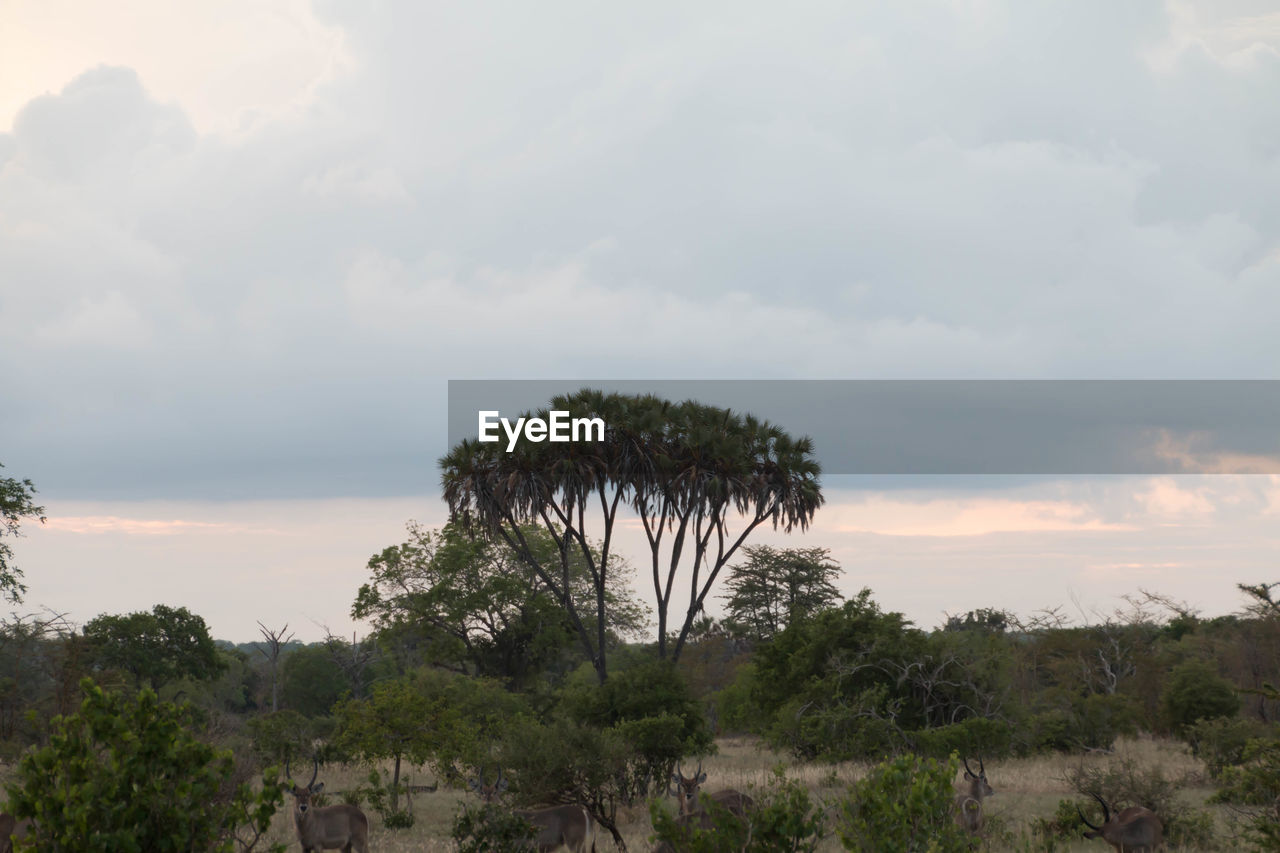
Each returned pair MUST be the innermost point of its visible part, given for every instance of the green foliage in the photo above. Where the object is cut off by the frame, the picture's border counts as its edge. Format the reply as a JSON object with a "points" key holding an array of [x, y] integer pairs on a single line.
{"points": [[403, 719], [786, 818], [286, 736], [726, 834], [126, 775], [166, 644], [311, 681], [16, 503], [464, 599], [492, 828], [1196, 692], [384, 800], [1222, 742], [974, 736], [772, 586], [903, 805]]}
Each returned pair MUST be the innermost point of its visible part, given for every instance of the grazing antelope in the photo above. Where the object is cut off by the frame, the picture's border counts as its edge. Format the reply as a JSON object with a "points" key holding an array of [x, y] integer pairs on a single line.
{"points": [[567, 825], [11, 828], [342, 827], [686, 793], [973, 790], [1134, 830]]}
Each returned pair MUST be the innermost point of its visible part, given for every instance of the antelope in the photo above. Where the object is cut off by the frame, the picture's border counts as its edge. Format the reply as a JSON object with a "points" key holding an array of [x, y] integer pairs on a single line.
{"points": [[693, 814], [973, 791], [1134, 830], [567, 825], [11, 828], [342, 827], [686, 793]]}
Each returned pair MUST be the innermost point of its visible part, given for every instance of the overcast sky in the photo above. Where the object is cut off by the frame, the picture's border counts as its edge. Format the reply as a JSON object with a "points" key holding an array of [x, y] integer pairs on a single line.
{"points": [[244, 244]]}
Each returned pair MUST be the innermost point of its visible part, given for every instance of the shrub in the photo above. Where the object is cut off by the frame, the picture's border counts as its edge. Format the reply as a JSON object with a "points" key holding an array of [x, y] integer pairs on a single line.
{"points": [[1221, 743], [974, 736], [1197, 692], [904, 805], [126, 775], [492, 828]]}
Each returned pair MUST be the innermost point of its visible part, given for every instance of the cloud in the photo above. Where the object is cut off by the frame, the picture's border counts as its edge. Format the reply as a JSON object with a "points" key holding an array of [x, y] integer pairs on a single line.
{"points": [[280, 285]]}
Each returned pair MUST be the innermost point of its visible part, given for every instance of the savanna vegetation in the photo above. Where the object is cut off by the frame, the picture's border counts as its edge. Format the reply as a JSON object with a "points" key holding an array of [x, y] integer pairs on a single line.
{"points": [[508, 668]]}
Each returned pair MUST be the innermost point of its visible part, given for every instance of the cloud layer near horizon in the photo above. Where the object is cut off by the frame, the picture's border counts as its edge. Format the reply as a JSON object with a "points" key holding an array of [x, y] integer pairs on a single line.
{"points": [[244, 289]]}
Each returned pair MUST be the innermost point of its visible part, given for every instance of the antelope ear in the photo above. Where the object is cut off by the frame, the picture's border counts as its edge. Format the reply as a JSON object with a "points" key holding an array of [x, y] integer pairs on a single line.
{"points": [[675, 778], [702, 777], [502, 785], [317, 788], [969, 775]]}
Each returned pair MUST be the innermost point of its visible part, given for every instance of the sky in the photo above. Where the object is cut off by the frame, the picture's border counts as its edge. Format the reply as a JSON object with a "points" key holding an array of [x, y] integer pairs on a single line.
{"points": [[244, 245]]}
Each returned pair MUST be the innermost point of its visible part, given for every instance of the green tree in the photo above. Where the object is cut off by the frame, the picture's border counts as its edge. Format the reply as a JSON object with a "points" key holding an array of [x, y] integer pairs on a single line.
{"points": [[311, 682], [16, 503], [471, 603], [701, 479], [1197, 692], [163, 645], [772, 585], [127, 775], [399, 720]]}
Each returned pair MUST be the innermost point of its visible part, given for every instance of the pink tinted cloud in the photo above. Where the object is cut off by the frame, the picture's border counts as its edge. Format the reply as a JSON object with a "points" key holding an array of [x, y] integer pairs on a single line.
{"points": [[968, 517], [101, 524]]}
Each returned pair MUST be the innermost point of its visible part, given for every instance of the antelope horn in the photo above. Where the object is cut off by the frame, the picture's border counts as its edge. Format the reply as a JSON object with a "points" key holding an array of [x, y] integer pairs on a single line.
{"points": [[287, 774], [967, 769], [1086, 820], [981, 768], [1106, 812], [698, 772], [316, 772]]}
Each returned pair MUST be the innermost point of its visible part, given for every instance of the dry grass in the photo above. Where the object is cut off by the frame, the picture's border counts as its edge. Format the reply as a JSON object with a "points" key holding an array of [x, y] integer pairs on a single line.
{"points": [[1026, 789]]}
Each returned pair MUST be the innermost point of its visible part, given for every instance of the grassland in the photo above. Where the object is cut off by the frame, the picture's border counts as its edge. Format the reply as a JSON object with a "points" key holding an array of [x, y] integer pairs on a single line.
{"points": [[1026, 789]]}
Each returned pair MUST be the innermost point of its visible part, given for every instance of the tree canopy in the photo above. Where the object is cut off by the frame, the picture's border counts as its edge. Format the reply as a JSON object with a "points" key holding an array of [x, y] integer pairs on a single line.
{"points": [[471, 603], [163, 645], [700, 478], [17, 502], [774, 584]]}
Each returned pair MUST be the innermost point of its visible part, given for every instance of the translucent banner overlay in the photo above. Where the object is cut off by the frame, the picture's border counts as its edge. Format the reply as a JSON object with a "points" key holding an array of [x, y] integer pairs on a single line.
{"points": [[945, 427]]}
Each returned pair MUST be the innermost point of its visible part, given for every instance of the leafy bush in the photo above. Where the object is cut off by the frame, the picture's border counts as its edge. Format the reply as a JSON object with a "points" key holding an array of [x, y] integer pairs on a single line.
{"points": [[492, 828], [287, 736], [126, 775], [904, 805], [974, 736], [1196, 692], [1221, 743]]}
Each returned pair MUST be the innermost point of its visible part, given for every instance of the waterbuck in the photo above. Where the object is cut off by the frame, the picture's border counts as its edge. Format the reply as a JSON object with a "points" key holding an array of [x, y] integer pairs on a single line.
{"points": [[686, 793], [568, 825], [1134, 830], [342, 827], [973, 790]]}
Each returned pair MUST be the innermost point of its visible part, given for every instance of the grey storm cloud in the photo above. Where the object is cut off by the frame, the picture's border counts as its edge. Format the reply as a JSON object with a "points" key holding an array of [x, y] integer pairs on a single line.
{"points": [[905, 191]]}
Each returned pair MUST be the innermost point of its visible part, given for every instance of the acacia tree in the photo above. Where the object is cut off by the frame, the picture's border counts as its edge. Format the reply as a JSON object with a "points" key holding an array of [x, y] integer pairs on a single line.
{"points": [[700, 478], [774, 584], [16, 503]]}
